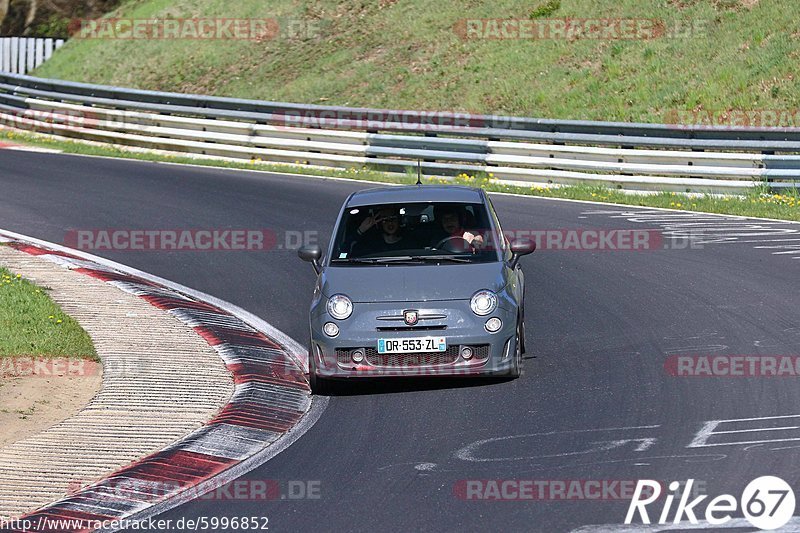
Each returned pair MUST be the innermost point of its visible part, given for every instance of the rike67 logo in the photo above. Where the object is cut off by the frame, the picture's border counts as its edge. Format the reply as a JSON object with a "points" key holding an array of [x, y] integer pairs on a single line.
{"points": [[767, 502]]}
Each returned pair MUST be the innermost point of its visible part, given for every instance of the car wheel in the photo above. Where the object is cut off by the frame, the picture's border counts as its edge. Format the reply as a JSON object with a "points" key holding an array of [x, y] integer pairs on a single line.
{"points": [[516, 369]]}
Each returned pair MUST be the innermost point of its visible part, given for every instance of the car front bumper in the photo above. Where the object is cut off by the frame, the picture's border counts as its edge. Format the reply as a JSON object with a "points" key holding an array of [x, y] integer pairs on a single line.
{"points": [[493, 353]]}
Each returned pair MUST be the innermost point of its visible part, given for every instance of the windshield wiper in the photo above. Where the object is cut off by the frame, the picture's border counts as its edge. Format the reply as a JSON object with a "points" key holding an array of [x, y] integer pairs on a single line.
{"points": [[403, 259], [453, 258], [375, 260]]}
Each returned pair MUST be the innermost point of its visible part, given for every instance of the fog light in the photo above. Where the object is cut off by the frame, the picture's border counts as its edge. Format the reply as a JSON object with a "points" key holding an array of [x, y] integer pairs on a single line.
{"points": [[466, 353], [493, 325], [330, 329], [358, 356]]}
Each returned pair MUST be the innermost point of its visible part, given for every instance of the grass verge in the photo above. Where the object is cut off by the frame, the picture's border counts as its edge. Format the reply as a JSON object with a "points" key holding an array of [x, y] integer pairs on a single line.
{"points": [[759, 203], [32, 325]]}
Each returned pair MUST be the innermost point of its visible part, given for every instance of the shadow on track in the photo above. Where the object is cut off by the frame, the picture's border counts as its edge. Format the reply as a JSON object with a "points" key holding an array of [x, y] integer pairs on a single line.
{"points": [[399, 385]]}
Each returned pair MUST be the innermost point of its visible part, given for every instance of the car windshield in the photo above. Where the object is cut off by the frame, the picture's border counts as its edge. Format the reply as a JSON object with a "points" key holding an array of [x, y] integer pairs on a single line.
{"points": [[416, 233]]}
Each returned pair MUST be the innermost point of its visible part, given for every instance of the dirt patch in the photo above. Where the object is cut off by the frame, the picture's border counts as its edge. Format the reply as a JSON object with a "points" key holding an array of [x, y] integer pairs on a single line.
{"points": [[735, 5], [29, 405]]}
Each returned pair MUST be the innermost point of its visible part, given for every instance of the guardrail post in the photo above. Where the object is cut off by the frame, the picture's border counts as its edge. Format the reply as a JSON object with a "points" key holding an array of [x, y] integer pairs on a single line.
{"points": [[21, 55], [14, 55], [5, 55], [31, 59]]}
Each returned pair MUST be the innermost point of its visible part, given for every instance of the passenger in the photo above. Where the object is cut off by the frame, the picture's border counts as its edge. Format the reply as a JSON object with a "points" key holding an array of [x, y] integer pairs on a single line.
{"points": [[451, 223], [388, 238]]}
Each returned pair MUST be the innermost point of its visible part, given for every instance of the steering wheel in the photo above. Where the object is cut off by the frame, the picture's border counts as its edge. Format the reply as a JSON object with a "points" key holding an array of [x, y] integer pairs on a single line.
{"points": [[454, 243]]}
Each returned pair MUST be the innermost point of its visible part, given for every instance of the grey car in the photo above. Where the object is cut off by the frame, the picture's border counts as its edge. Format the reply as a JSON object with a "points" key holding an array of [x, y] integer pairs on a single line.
{"points": [[417, 281]]}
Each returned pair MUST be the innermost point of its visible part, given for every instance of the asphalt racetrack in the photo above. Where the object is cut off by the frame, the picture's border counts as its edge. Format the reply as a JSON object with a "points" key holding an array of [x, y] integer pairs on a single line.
{"points": [[597, 400]]}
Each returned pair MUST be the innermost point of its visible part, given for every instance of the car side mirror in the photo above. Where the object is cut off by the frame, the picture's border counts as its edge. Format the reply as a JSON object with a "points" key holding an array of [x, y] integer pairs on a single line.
{"points": [[311, 253], [519, 248]]}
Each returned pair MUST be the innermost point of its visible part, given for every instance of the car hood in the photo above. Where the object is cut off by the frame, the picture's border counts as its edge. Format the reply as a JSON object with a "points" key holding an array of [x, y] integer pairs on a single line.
{"points": [[413, 283]]}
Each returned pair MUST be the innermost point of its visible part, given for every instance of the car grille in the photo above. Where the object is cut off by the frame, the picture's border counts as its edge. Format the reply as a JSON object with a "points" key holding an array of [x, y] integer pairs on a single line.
{"points": [[343, 356], [405, 360], [480, 351], [411, 360], [411, 328]]}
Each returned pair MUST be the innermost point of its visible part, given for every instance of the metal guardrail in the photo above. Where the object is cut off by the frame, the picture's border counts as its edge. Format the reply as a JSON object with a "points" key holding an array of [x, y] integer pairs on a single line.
{"points": [[517, 150]]}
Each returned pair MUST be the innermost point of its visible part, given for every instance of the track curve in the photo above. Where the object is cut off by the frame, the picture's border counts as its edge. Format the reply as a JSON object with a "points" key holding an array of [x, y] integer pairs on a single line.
{"points": [[595, 402]]}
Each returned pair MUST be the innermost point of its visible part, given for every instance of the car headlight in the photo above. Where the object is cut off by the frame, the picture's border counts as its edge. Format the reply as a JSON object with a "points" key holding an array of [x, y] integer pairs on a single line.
{"points": [[340, 306], [483, 303]]}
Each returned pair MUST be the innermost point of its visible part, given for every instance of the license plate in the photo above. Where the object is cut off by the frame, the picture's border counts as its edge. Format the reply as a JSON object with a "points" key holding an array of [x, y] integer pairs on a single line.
{"points": [[412, 345]]}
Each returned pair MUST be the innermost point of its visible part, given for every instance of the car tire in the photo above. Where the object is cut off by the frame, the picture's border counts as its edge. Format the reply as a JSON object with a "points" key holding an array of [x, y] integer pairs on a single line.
{"points": [[516, 369]]}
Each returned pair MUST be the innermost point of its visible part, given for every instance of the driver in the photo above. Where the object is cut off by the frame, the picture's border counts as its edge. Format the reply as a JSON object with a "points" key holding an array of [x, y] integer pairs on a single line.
{"points": [[389, 236], [451, 221]]}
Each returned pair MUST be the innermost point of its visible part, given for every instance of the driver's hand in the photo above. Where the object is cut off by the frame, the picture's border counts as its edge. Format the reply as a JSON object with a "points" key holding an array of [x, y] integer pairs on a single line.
{"points": [[367, 224], [475, 240]]}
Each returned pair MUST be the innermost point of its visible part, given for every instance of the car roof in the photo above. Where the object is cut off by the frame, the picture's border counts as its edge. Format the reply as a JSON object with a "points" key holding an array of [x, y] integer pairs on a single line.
{"points": [[416, 193]]}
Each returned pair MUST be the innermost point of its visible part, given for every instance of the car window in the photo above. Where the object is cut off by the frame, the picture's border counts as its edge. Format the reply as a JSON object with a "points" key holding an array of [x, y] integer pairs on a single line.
{"points": [[416, 232]]}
